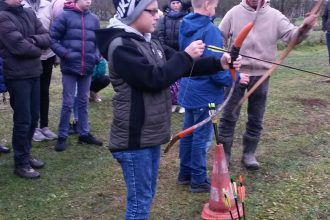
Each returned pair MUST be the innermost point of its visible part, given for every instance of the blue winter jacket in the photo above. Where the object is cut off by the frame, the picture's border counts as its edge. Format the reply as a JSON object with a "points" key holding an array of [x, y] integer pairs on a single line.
{"points": [[73, 40], [3, 87], [197, 92]]}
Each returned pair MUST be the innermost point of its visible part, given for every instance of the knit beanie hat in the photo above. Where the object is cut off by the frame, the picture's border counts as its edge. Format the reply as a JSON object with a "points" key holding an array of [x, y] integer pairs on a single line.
{"points": [[127, 11], [176, 1]]}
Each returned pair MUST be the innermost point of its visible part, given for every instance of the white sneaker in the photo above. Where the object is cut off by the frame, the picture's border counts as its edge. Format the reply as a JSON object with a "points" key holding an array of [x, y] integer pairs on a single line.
{"points": [[174, 108], [181, 110], [94, 97], [48, 133], [38, 135]]}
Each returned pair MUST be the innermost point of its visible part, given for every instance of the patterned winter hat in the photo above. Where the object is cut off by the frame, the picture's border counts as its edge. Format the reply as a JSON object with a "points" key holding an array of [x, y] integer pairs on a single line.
{"points": [[127, 11], [176, 0]]}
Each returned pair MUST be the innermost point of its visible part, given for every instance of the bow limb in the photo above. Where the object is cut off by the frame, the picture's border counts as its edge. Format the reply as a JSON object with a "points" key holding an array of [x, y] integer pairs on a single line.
{"points": [[315, 12]]}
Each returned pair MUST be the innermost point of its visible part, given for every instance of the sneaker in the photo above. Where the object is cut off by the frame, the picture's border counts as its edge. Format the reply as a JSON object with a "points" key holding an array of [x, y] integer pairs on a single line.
{"points": [[48, 133], [181, 110], [38, 135], [200, 188], [60, 144], [73, 129], [97, 98], [4, 149], [174, 108], [36, 164], [183, 180], [94, 97], [89, 139], [27, 172]]}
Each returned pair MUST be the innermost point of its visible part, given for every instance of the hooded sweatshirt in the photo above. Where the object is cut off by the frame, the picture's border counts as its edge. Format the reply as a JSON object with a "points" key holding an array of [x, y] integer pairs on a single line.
{"points": [[198, 92], [271, 25], [141, 71]]}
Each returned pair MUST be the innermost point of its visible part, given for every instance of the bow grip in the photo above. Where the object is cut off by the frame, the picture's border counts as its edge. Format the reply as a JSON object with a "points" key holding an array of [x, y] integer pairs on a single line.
{"points": [[234, 55]]}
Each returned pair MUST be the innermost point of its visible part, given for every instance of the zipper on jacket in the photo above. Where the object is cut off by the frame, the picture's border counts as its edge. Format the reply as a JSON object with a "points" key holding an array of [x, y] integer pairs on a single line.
{"points": [[83, 44]]}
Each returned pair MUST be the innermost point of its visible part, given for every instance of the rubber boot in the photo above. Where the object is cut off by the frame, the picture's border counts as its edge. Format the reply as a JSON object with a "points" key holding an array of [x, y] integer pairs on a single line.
{"points": [[227, 144], [249, 148]]}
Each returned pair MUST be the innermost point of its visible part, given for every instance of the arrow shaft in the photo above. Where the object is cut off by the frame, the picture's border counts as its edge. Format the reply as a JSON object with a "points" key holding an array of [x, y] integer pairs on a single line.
{"points": [[270, 62]]}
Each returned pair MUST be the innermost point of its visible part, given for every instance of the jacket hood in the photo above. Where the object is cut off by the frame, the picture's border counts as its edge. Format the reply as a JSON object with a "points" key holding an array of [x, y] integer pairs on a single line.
{"points": [[193, 24], [14, 9], [116, 29]]}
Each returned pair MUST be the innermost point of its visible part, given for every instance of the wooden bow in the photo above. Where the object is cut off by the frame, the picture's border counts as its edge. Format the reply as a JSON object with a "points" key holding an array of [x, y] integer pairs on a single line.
{"points": [[314, 12]]}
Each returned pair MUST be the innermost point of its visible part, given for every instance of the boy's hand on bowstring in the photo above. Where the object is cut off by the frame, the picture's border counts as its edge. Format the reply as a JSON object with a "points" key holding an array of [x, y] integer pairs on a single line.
{"points": [[226, 59], [195, 49]]}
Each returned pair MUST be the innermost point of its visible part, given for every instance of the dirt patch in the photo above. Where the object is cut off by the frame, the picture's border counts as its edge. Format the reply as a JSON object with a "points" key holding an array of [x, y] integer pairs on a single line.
{"points": [[312, 102]]}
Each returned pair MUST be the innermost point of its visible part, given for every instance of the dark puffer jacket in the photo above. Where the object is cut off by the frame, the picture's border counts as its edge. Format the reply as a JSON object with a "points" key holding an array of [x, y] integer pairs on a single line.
{"points": [[140, 73], [22, 37], [73, 40], [168, 28]]}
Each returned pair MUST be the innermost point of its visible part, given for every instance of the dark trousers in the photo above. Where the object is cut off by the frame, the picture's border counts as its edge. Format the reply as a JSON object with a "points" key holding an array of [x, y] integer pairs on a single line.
{"points": [[45, 78], [25, 102], [99, 83], [256, 109]]}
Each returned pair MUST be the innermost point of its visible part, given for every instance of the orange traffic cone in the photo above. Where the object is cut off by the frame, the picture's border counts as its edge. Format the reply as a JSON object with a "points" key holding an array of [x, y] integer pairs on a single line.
{"points": [[216, 209]]}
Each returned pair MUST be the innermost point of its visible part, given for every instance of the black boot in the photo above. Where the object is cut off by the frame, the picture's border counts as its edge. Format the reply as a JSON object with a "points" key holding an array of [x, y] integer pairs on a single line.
{"points": [[227, 144], [4, 150], [60, 144], [249, 148], [89, 139]]}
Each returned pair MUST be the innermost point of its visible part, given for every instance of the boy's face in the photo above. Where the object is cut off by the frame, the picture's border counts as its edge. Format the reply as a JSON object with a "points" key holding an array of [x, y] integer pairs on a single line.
{"points": [[146, 22], [176, 6], [210, 7], [84, 4]]}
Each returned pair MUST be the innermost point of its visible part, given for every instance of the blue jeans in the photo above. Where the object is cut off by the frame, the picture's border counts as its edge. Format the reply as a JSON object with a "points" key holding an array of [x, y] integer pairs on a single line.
{"points": [[193, 148], [25, 102], [327, 35], [255, 110], [70, 81], [140, 170]]}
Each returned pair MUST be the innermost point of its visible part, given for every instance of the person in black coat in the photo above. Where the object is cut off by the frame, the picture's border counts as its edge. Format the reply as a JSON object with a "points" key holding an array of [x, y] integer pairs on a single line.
{"points": [[22, 38], [168, 34]]}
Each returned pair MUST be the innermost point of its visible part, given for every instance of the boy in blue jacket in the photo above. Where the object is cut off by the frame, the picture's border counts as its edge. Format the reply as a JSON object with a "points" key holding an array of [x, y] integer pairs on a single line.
{"points": [[73, 40], [197, 92]]}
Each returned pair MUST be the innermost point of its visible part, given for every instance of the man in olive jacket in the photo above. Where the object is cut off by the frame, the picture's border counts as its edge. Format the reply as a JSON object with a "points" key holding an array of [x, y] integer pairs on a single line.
{"points": [[22, 37]]}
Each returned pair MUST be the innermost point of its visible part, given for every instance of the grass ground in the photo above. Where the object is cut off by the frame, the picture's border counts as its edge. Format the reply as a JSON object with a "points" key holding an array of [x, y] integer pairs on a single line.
{"points": [[85, 182]]}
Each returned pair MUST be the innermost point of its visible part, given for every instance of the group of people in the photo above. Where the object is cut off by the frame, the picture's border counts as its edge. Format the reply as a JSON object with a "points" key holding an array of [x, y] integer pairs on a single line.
{"points": [[142, 68], [32, 34]]}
